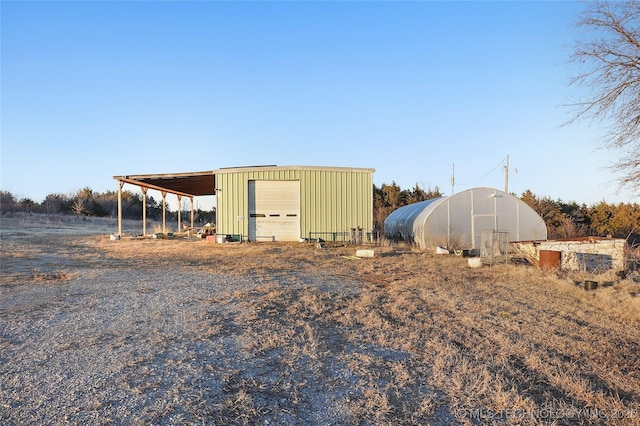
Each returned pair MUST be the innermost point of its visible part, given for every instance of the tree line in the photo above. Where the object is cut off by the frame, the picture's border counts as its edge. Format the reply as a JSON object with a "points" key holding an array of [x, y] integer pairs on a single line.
{"points": [[388, 197], [563, 220], [567, 220], [86, 202]]}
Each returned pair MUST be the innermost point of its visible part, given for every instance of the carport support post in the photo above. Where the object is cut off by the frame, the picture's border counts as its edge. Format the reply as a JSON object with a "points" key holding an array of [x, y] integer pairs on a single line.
{"points": [[192, 212], [179, 212], [144, 211], [164, 211], [120, 185]]}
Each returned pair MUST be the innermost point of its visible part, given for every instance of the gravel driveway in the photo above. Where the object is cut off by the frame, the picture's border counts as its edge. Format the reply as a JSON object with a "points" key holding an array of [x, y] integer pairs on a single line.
{"points": [[85, 340]]}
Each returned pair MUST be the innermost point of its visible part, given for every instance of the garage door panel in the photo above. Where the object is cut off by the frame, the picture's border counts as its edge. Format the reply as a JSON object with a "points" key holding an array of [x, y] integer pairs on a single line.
{"points": [[274, 210], [277, 229]]}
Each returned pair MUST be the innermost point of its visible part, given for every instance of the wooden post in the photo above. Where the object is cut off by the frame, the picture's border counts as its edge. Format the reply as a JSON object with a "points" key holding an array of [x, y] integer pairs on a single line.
{"points": [[120, 185], [164, 212], [192, 212], [179, 212], [144, 211]]}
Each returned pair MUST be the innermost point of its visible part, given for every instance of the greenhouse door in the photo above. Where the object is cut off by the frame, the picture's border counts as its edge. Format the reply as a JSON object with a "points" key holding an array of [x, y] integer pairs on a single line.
{"points": [[481, 223], [483, 216], [274, 210]]}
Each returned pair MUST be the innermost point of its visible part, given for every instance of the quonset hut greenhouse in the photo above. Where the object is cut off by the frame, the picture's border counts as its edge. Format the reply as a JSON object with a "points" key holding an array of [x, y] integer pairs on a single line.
{"points": [[458, 221]]}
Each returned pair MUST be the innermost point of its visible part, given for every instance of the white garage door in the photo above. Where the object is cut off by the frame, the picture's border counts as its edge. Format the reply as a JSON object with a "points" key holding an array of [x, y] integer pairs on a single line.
{"points": [[274, 210]]}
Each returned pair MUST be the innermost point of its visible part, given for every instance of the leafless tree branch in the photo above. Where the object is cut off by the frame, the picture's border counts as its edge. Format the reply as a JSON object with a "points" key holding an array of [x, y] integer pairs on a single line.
{"points": [[611, 62]]}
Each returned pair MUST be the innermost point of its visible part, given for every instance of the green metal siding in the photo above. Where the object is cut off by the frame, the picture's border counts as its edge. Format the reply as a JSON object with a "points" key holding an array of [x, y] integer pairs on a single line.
{"points": [[331, 199]]}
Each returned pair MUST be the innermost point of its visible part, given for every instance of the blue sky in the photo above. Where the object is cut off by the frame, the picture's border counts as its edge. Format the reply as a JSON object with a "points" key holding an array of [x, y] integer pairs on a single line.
{"points": [[96, 89]]}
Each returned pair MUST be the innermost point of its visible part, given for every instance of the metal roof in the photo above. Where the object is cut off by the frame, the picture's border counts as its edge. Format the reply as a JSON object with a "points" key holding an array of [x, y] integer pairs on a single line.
{"points": [[189, 184], [204, 183], [274, 167]]}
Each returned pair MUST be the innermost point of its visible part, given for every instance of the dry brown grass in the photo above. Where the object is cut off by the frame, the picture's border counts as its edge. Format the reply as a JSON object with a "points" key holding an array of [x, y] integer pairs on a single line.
{"points": [[497, 344], [405, 337]]}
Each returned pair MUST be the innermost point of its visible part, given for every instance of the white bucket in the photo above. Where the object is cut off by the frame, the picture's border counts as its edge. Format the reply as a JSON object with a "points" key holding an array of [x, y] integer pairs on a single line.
{"points": [[474, 262]]}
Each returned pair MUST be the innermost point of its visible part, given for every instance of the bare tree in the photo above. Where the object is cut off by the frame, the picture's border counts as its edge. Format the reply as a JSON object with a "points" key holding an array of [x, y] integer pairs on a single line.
{"points": [[54, 203], [611, 71], [78, 206], [185, 207]]}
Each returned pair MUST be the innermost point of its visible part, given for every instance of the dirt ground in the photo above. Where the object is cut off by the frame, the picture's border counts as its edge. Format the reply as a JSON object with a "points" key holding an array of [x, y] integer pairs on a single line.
{"points": [[182, 331]]}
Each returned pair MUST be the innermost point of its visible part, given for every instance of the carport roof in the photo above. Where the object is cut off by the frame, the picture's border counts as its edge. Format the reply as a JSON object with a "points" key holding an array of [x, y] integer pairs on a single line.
{"points": [[188, 184], [204, 183]]}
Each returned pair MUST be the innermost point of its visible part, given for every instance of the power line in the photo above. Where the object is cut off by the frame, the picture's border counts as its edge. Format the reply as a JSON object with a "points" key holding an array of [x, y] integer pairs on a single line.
{"points": [[484, 176]]}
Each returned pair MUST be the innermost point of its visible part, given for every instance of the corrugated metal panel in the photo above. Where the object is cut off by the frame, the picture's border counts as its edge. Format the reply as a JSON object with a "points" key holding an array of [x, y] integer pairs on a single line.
{"points": [[332, 200], [337, 200]]}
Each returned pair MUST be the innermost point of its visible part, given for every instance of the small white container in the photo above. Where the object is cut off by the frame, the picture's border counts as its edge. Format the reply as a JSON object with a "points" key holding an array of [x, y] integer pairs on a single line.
{"points": [[474, 262], [364, 253]]}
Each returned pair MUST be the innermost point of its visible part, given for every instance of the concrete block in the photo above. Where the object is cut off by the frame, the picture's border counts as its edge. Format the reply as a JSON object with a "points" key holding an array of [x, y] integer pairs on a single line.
{"points": [[364, 253]]}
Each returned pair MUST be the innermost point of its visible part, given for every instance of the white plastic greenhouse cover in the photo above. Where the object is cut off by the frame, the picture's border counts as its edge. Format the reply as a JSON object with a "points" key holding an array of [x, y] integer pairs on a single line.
{"points": [[457, 221]]}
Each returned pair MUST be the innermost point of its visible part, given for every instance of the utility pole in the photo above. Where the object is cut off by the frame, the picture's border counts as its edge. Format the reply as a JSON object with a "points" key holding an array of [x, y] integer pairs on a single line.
{"points": [[453, 176], [506, 176]]}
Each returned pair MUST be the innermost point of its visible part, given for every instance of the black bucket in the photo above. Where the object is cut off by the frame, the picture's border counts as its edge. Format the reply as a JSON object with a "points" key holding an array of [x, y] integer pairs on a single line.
{"points": [[590, 285]]}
